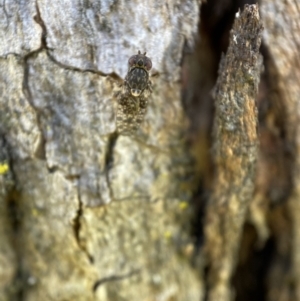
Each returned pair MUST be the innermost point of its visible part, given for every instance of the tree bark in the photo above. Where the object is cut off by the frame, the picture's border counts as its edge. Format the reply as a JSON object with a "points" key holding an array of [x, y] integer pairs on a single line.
{"points": [[201, 203], [92, 215], [235, 150], [282, 38]]}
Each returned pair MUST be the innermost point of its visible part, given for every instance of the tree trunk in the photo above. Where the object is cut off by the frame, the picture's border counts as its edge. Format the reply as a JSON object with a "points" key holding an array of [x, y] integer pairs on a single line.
{"points": [[200, 203], [92, 215]]}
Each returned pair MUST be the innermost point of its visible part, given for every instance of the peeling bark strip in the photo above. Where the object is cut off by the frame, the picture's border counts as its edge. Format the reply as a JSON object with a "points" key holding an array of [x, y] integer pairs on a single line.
{"points": [[235, 149]]}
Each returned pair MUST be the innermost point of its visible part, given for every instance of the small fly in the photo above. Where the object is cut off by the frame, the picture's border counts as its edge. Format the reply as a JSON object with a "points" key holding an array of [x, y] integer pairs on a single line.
{"points": [[134, 94]]}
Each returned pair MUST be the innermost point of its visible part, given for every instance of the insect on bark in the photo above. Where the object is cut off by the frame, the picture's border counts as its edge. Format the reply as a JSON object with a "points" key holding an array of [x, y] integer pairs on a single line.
{"points": [[133, 97]]}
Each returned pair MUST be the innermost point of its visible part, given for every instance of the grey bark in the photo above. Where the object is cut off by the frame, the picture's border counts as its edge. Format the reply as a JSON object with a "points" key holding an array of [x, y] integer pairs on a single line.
{"points": [[86, 214], [92, 216]]}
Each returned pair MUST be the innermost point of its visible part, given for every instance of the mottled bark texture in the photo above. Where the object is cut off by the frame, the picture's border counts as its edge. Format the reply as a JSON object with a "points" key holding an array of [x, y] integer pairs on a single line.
{"points": [[282, 40], [235, 150], [89, 214], [92, 215]]}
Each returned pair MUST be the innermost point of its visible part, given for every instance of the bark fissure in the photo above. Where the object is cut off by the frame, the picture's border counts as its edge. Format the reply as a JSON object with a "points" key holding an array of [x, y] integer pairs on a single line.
{"points": [[77, 227], [77, 69], [114, 278], [38, 19], [109, 157], [40, 150]]}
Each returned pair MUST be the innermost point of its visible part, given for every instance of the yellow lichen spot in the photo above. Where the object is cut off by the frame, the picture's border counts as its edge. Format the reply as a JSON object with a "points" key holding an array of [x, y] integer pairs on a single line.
{"points": [[183, 205], [35, 212], [3, 168], [167, 234]]}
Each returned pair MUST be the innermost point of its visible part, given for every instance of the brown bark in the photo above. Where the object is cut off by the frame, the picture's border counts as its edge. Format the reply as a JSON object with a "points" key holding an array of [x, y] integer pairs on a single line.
{"points": [[282, 40], [234, 150], [201, 204]]}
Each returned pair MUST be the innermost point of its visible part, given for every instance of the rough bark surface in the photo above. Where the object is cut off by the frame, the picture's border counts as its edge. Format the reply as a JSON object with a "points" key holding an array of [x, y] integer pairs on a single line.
{"points": [[202, 203], [235, 150], [282, 39], [57, 123]]}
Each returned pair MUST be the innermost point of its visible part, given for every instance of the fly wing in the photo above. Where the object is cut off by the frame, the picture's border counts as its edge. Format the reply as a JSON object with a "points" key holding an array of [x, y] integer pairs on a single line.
{"points": [[142, 107], [131, 110], [126, 112]]}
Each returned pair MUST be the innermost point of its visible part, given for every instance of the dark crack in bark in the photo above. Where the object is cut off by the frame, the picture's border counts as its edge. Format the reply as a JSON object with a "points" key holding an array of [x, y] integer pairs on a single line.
{"points": [[40, 151], [77, 228], [114, 278], [38, 19], [112, 139]]}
